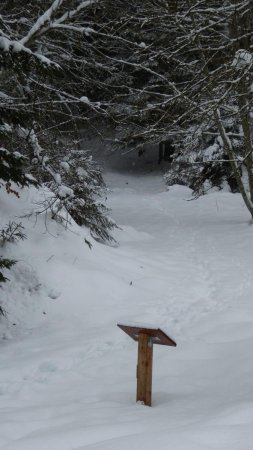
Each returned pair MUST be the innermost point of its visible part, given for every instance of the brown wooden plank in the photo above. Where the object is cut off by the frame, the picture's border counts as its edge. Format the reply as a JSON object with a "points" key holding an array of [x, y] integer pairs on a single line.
{"points": [[158, 336], [149, 367], [144, 371]]}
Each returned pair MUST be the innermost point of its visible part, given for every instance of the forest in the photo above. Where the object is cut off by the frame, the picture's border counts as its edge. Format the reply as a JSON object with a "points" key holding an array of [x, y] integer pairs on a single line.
{"points": [[126, 196], [159, 71]]}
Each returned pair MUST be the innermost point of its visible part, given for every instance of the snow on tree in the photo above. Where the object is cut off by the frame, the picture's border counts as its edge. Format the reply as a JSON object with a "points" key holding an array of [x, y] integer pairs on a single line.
{"points": [[42, 101], [185, 70]]}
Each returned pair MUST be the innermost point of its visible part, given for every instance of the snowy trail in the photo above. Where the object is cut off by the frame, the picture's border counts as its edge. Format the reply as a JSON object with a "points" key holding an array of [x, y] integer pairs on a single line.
{"points": [[67, 379], [193, 244]]}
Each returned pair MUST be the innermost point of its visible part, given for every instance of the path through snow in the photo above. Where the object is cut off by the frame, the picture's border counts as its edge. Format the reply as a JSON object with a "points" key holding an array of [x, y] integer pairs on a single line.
{"points": [[67, 379]]}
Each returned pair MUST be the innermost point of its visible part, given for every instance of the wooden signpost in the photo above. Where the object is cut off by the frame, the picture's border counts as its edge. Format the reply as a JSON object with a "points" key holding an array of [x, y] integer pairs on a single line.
{"points": [[146, 337]]}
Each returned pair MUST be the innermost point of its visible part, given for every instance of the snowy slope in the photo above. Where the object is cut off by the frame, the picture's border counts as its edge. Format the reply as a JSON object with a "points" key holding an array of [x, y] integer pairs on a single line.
{"points": [[67, 379]]}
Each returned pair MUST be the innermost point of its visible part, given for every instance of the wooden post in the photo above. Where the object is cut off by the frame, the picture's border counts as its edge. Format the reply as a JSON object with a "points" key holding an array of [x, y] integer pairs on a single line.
{"points": [[146, 337], [144, 369]]}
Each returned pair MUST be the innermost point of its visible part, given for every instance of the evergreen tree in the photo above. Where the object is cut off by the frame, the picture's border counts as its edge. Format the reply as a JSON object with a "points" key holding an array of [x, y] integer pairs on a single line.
{"points": [[44, 100]]}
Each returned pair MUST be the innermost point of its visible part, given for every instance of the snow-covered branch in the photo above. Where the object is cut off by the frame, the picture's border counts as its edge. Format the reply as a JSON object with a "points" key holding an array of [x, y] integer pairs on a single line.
{"points": [[62, 191], [42, 22], [48, 20], [9, 46], [72, 13]]}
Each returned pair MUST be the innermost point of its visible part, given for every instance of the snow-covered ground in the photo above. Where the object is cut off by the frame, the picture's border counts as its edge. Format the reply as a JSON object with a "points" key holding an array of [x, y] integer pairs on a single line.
{"points": [[67, 378]]}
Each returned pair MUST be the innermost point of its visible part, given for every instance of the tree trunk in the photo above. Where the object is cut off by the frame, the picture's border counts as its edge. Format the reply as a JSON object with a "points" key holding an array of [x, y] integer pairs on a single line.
{"points": [[229, 151]]}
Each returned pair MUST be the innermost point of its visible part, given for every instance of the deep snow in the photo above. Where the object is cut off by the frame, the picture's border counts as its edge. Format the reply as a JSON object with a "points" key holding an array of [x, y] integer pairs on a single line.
{"points": [[67, 379]]}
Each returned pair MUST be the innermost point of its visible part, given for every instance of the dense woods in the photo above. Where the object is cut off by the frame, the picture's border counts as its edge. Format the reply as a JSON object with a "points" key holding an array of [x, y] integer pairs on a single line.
{"points": [[153, 71]]}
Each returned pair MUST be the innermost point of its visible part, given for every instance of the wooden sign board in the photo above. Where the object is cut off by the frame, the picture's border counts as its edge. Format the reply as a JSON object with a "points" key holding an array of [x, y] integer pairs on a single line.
{"points": [[146, 337], [156, 334]]}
